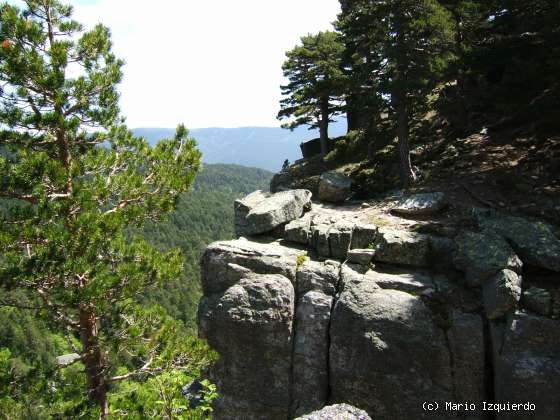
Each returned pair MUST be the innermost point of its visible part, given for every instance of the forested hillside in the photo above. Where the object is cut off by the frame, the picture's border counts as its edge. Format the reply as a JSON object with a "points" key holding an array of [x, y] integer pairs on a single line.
{"points": [[203, 215]]}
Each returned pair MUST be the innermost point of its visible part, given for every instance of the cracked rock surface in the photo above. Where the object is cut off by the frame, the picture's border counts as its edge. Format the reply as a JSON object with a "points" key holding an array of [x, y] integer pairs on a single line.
{"points": [[352, 307]]}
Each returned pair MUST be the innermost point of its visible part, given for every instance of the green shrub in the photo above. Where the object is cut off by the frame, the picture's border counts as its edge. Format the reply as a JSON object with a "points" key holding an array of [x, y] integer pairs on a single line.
{"points": [[349, 148]]}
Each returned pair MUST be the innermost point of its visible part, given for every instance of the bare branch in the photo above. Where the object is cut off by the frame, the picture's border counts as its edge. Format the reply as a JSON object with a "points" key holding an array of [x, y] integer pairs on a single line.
{"points": [[125, 203], [142, 371]]}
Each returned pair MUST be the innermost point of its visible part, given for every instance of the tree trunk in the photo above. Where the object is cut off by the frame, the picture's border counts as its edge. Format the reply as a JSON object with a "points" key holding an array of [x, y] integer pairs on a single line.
{"points": [[94, 361], [324, 127], [461, 116], [352, 118], [407, 174], [402, 107]]}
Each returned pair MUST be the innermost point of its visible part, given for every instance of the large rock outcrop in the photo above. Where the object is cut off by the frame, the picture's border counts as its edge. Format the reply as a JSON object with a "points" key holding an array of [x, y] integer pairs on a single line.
{"points": [[533, 241], [527, 366], [483, 255], [373, 331], [344, 311], [262, 212], [247, 315]]}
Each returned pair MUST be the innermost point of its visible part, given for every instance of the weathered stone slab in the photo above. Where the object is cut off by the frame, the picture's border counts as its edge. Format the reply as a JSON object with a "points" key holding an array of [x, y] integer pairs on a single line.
{"points": [[527, 368], [410, 282], [298, 231], [353, 274], [334, 187], [337, 412], [533, 241], [243, 206], [310, 383], [363, 236], [421, 204], [466, 343], [400, 247], [318, 276], [224, 263], [360, 256], [339, 239], [320, 239], [262, 212]]}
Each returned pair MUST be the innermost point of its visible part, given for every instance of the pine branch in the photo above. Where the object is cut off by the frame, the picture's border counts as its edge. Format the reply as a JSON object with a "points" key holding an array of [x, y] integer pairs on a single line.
{"points": [[23, 197], [144, 370]]}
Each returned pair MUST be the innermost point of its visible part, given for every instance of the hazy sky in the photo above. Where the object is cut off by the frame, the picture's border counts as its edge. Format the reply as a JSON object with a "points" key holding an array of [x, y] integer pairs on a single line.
{"points": [[207, 63]]}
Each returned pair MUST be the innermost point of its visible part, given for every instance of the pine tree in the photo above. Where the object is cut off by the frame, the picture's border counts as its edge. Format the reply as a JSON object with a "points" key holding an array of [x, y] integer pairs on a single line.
{"points": [[406, 47], [316, 83], [78, 184], [363, 62]]}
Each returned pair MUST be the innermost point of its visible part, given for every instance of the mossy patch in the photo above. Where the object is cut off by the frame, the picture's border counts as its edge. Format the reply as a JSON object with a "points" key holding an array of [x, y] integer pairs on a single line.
{"points": [[300, 260]]}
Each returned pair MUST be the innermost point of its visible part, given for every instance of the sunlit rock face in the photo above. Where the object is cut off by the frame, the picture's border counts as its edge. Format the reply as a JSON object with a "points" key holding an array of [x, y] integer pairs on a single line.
{"points": [[344, 305], [373, 331], [262, 212]]}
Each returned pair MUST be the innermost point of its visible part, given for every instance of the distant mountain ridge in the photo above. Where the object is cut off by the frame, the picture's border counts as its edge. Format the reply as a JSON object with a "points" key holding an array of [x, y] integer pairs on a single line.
{"points": [[259, 147]]}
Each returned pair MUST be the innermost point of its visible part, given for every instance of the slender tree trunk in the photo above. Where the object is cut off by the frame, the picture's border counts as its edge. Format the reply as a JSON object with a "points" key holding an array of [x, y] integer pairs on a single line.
{"points": [[461, 105], [407, 174], [401, 108], [324, 127], [351, 113], [94, 361]]}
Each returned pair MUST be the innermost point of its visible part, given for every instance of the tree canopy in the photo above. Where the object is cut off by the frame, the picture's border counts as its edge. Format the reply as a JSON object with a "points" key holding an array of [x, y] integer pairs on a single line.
{"points": [[400, 49], [466, 63], [77, 183], [316, 82]]}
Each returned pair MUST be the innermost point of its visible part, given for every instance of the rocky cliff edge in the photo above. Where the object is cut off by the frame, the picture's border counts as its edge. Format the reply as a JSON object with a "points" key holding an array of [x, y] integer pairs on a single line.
{"points": [[396, 306]]}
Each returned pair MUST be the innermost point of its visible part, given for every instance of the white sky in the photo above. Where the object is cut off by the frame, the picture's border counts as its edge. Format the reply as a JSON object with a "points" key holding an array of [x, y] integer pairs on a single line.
{"points": [[207, 63]]}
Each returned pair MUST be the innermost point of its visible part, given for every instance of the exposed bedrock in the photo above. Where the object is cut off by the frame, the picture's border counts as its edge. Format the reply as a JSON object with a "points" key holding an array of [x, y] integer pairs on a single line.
{"points": [[250, 325], [384, 318], [527, 364], [421, 204], [387, 356], [247, 316]]}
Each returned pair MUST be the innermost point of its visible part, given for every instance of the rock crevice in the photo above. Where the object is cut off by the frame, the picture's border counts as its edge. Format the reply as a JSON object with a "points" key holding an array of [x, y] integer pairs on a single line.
{"points": [[361, 316]]}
